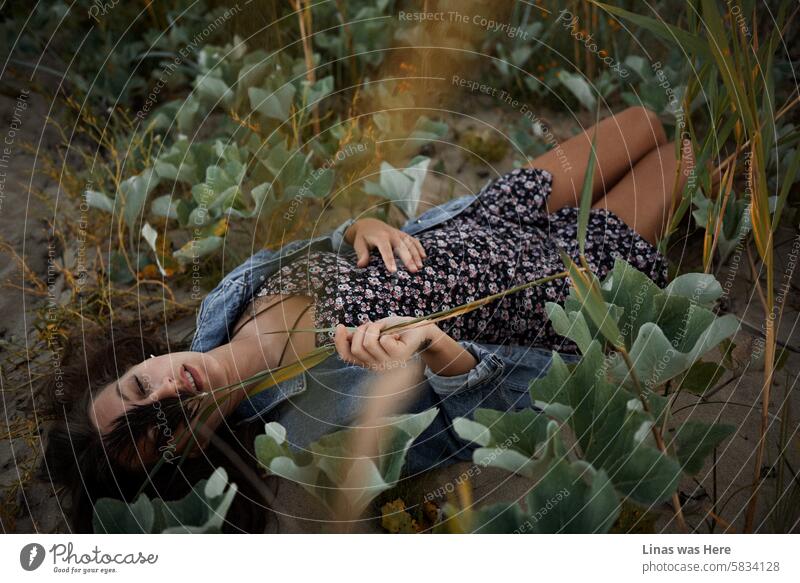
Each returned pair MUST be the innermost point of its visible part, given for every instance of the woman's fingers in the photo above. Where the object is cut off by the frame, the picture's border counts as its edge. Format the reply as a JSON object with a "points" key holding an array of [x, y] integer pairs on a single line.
{"points": [[372, 344], [371, 347], [357, 345], [390, 241], [408, 254], [362, 251], [391, 344], [342, 340], [416, 249], [385, 248], [420, 248]]}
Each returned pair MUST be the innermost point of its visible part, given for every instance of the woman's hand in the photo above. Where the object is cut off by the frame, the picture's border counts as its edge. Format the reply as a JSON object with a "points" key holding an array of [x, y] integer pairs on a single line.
{"points": [[365, 346], [366, 234]]}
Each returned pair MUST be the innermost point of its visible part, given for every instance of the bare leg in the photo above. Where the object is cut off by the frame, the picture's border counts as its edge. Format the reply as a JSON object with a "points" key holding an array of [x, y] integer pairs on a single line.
{"points": [[622, 140], [643, 198]]}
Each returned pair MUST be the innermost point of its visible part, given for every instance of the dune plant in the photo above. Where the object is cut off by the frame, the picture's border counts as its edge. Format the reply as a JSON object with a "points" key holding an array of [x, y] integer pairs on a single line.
{"points": [[632, 339], [328, 469], [269, 153], [201, 511], [608, 400], [734, 75]]}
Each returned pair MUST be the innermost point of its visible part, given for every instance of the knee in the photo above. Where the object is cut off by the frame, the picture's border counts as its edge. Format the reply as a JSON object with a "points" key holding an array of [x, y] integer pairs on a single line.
{"points": [[647, 121]]}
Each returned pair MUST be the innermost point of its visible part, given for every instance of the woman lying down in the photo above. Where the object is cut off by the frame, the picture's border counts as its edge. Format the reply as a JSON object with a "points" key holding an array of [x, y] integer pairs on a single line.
{"points": [[364, 277]]}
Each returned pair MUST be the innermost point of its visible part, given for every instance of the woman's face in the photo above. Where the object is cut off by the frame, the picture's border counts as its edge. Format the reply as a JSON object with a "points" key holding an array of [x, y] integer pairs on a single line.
{"points": [[156, 378]]}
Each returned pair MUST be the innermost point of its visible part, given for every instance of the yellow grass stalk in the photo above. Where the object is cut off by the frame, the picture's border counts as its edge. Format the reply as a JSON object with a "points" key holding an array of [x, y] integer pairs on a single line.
{"points": [[764, 242], [304, 20], [726, 187]]}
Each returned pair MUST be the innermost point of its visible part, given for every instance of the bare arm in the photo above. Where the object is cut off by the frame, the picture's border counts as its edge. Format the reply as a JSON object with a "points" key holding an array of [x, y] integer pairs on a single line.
{"points": [[446, 357]]}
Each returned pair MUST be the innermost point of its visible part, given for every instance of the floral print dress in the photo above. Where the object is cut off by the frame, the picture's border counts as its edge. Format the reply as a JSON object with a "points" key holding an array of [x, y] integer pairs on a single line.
{"points": [[503, 239]]}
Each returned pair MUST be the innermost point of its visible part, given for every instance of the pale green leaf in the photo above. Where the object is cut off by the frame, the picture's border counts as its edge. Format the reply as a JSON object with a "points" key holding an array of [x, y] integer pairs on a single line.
{"points": [[579, 87], [272, 104], [134, 191], [695, 440], [197, 248], [150, 235], [99, 200]]}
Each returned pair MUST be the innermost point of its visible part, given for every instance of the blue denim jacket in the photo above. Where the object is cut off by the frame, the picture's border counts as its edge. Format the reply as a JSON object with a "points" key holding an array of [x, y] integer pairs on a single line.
{"points": [[500, 379]]}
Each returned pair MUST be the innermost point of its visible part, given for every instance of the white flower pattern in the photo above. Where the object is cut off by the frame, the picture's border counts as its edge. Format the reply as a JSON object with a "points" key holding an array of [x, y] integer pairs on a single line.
{"points": [[504, 239]]}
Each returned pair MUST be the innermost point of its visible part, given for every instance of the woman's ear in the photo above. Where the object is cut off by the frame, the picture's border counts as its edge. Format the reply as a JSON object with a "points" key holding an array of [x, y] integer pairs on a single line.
{"points": [[152, 434]]}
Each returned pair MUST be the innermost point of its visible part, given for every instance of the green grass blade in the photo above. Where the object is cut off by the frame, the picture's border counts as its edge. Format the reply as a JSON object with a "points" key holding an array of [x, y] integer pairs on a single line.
{"points": [[721, 52], [673, 34], [586, 192], [788, 180]]}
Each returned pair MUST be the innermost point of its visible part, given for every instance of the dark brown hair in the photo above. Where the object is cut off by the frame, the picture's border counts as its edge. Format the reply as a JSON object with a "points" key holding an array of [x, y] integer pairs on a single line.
{"points": [[90, 466]]}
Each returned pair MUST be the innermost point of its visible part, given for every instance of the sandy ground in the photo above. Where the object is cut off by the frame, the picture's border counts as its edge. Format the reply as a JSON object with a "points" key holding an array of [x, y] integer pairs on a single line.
{"points": [[28, 506]]}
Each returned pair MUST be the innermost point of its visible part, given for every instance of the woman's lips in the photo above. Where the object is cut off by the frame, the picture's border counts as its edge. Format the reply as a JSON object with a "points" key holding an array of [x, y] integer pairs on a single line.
{"points": [[198, 380], [187, 380]]}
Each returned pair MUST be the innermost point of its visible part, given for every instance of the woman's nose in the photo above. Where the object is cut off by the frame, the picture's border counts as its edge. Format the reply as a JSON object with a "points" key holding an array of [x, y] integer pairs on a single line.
{"points": [[167, 388]]}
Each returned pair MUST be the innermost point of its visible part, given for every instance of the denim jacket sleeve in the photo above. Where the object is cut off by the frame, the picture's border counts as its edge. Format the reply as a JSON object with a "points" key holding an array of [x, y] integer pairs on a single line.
{"points": [[500, 379], [509, 367], [489, 366]]}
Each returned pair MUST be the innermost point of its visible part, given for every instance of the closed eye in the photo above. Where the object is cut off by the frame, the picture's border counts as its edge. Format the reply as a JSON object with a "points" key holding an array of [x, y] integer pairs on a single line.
{"points": [[140, 386]]}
